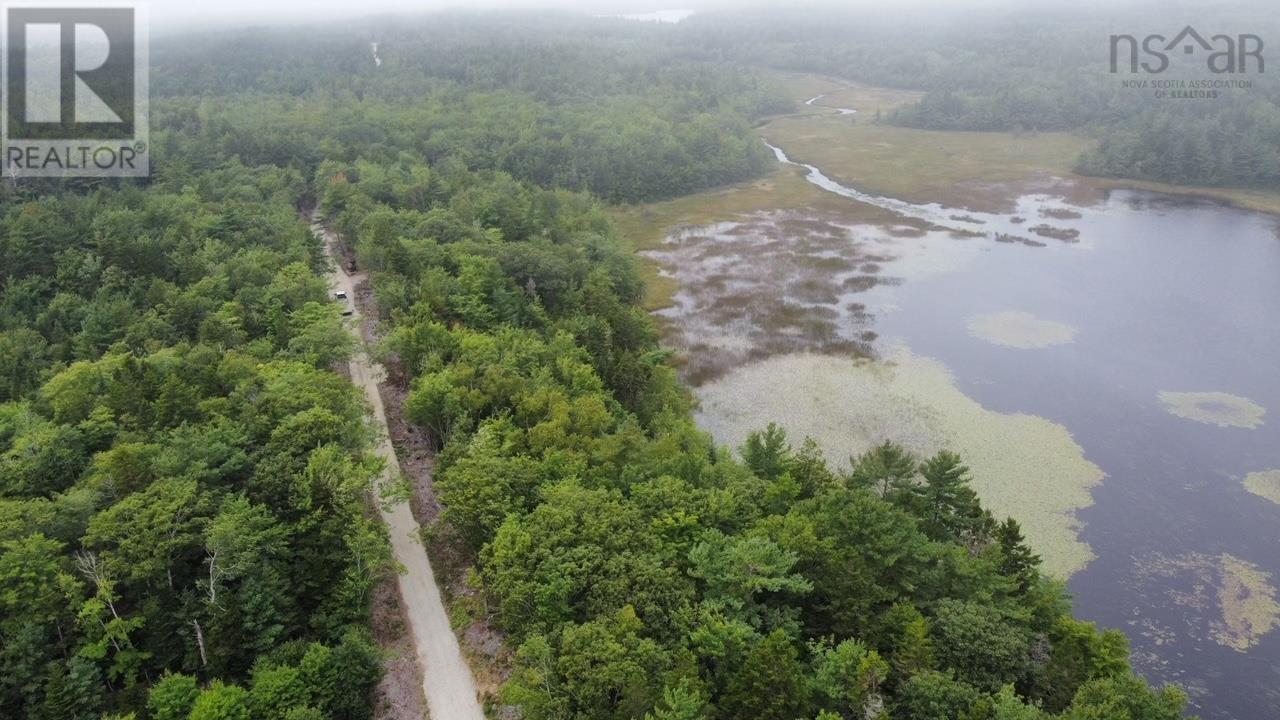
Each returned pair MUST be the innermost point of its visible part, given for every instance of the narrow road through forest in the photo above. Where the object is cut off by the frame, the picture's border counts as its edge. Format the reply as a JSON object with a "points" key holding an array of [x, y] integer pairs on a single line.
{"points": [[446, 678]]}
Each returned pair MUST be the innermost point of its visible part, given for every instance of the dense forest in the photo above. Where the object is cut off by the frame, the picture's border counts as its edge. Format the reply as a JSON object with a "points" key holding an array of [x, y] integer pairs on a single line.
{"points": [[185, 528], [1037, 68], [185, 483], [183, 480], [554, 99]]}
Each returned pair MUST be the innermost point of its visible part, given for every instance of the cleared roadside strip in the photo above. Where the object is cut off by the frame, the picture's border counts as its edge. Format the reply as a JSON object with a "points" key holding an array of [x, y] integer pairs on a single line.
{"points": [[446, 678]]}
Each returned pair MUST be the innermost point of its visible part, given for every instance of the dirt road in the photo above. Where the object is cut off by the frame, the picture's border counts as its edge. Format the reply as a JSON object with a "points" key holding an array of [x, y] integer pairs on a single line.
{"points": [[447, 681]]}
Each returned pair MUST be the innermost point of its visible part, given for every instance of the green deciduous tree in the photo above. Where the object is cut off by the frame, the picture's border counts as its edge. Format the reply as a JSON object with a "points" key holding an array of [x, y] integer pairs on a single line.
{"points": [[172, 697], [1125, 697], [932, 695], [143, 537], [221, 702], [986, 645], [848, 677]]}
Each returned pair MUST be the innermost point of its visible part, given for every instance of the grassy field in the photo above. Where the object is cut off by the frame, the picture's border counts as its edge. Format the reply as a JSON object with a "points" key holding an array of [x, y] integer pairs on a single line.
{"points": [[959, 169], [977, 170], [972, 169], [838, 93]]}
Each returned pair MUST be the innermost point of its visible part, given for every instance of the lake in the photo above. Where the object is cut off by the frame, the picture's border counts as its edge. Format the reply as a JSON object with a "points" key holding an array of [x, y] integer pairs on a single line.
{"points": [[1109, 370]]}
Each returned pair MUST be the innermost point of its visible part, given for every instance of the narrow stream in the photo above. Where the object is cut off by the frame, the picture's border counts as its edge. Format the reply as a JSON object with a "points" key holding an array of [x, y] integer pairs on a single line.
{"points": [[839, 110], [1005, 227]]}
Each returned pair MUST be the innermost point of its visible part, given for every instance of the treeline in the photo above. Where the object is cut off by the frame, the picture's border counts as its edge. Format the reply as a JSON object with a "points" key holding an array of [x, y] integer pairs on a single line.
{"points": [[184, 526], [554, 99], [638, 570], [1237, 145], [1036, 69], [1028, 69]]}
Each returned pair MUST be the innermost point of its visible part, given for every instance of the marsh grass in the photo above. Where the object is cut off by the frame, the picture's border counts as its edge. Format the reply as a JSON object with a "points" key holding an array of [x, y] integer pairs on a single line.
{"points": [[837, 93], [975, 170], [1069, 235], [647, 227], [1010, 239], [770, 283], [1060, 213]]}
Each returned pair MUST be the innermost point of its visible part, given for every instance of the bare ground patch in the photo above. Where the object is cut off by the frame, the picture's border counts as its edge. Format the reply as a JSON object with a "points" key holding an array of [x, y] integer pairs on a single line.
{"points": [[399, 692]]}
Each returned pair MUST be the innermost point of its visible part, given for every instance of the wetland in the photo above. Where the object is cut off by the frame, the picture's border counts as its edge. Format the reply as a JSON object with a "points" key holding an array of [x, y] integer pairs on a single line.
{"points": [[1111, 384]]}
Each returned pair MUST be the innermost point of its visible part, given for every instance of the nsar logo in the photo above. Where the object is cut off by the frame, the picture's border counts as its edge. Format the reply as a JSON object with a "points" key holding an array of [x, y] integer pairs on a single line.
{"points": [[1224, 53]]}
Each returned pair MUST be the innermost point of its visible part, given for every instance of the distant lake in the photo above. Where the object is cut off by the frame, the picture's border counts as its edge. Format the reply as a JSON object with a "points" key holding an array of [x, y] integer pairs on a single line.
{"points": [[663, 16]]}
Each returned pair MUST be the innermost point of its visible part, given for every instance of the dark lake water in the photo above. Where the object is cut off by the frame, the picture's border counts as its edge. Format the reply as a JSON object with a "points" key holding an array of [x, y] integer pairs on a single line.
{"points": [[1165, 295]]}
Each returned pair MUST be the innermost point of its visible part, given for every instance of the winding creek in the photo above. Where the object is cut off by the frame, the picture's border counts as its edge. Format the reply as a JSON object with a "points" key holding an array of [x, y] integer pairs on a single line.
{"points": [[1109, 371], [812, 102]]}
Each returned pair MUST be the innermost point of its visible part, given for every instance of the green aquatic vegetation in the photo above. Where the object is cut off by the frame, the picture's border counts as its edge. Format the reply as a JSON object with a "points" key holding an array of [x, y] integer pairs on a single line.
{"points": [[1214, 408], [1023, 466], [1022, 330], [1264, 484], [1229, 600], [1249, 607]]}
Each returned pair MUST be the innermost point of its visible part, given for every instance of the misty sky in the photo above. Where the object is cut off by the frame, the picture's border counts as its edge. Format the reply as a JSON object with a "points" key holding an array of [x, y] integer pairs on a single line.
{"points": [[185, 14], [170, 15]]}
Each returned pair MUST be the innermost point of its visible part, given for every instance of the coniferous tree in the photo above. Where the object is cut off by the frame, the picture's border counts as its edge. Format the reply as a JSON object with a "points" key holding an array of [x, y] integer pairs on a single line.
{"points": [[1017, 561]]}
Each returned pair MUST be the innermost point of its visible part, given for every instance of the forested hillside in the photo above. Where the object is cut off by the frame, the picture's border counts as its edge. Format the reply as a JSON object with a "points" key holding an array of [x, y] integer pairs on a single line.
{"points": [[185, 482], [554, 99]]}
